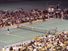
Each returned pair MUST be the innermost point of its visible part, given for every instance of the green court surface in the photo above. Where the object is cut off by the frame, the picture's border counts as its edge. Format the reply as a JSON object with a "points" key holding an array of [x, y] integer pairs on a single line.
{"points": [[16, 36], [19, 35], [61, 25]]}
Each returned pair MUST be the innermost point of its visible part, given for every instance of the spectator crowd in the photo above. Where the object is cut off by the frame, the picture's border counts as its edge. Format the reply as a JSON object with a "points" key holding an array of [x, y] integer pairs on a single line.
{"points": [[11, 17]]}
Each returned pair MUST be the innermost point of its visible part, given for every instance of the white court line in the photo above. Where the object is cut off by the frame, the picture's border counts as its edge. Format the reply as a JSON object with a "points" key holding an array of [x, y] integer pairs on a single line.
{"points": [[14, 35], [4, 42], [10, 34]]}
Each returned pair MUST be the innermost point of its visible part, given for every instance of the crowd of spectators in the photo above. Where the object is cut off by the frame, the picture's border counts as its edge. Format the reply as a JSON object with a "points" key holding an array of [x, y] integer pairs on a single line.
{"points": [[46, 42], [11, 17]]}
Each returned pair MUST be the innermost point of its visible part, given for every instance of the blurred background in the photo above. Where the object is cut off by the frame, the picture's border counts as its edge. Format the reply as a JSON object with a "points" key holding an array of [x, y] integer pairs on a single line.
{"points": [[31, 4]]}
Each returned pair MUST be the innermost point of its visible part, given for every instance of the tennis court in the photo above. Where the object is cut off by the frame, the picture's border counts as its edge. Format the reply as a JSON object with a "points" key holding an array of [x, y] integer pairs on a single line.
{"points": [[19, 35]]}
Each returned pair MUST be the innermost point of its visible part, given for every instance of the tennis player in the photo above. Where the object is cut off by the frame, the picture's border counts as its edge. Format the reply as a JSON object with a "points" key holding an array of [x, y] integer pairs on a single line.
{"points": [[8, 32]]}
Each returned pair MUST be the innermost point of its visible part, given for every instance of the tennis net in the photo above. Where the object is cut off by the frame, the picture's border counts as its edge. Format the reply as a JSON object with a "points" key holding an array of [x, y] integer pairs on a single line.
{"points": [[32, 29]]}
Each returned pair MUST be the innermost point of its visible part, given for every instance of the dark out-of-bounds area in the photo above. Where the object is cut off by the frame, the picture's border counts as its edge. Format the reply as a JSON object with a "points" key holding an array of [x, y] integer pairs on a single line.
{"points": [[31, 4]]}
